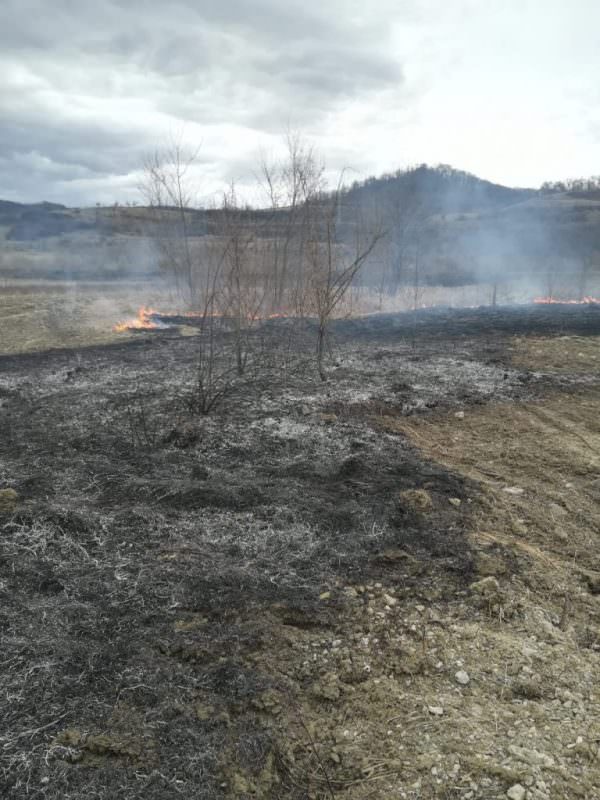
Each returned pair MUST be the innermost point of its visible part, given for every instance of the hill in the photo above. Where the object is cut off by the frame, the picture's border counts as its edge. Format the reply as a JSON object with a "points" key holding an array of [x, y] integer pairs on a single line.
{"points": [[441, 189], [31, 221], [465, 229], [468, 230], [437, 190]]}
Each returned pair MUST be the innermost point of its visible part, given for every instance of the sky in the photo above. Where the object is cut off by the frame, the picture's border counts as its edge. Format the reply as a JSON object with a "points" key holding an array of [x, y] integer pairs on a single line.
{"points": [[506, 89]]}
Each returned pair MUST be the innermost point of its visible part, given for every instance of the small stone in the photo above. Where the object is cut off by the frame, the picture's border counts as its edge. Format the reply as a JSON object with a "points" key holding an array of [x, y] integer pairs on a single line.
{"points": [[459, 414], [417, 501], [462, 677], [327, 689], [488, 564], [557, 510], [328, 419], [436, 711], [532, 757], [305, 411], [239, 785], [516, 792], [204, 711], [8, 501], [393, 554], [593, 582], [486, 586], [454, 501], [325, 596], [515, 490], [391, 601]]}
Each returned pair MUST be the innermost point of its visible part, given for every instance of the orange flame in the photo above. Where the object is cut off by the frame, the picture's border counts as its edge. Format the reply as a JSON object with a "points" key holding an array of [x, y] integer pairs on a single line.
{"points": [[149, 319], [588, 300], [143, 321]]}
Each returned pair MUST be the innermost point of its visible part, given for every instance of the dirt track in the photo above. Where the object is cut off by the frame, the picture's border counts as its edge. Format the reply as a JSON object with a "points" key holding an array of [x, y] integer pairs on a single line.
{"points": [[276, 602]]}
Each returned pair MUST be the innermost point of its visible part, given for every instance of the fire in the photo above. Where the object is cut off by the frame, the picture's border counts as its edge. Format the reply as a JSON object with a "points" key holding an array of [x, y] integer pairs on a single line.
{"points": [[588, 300], [149, 319], [144, 321]]}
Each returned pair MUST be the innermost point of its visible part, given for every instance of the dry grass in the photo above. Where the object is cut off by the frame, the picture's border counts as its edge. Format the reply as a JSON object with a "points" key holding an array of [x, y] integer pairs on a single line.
{"points": [[565, 354], [540, 467], [41, 316]]}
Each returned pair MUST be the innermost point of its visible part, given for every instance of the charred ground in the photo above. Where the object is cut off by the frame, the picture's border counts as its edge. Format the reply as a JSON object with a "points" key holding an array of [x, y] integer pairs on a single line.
{"points": [[205, 607]]}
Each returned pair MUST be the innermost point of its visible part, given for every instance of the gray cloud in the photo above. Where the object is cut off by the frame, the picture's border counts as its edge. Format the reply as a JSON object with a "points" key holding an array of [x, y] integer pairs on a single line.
{"points": [[86, 88], [89, 87]]}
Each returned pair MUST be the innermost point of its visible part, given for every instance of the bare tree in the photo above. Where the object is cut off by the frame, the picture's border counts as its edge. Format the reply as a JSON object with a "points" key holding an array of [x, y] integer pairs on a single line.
{"points": [[333, 263], [551, 276], [290, 183], [244, 279], [170, 192], [320, 245], [586, 264], [200, 266], [301, 257], [404, 216]]}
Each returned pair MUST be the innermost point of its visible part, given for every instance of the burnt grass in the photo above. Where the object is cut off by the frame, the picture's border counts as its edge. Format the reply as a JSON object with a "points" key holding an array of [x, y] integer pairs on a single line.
{"points": [[149, 547]]}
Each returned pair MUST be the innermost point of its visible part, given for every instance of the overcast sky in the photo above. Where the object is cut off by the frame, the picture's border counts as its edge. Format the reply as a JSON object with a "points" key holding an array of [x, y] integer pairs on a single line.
{"points": [[507, 89]]}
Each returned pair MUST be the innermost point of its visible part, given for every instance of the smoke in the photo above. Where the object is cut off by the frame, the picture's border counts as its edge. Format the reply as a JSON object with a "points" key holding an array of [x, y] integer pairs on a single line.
{"points": [[451, 239], [449, 228], [84, 259]]}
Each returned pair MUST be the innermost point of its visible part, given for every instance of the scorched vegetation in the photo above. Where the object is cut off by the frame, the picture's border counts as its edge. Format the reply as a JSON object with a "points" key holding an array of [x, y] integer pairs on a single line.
{"points": [[356, 588]]}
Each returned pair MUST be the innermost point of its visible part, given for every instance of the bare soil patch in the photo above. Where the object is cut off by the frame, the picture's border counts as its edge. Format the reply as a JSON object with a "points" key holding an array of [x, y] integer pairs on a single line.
{"points": [[565, 353]]}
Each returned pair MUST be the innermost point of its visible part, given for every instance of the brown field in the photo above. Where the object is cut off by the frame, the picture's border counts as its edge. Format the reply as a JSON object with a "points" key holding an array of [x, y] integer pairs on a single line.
{"points": [[558, 353], [38, 316]]}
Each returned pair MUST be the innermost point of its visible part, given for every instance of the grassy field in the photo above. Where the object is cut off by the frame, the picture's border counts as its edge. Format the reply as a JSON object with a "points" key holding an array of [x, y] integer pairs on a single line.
{"points": [[38, 315]]}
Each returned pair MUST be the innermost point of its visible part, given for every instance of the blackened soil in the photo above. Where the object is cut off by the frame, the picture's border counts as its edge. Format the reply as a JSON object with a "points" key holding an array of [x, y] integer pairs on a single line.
{"points": [[540, 318], [149, 549]]}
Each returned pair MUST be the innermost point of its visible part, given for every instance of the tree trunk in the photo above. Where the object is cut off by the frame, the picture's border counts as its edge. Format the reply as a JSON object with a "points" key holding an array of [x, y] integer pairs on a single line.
{"points": [[321, 335]]}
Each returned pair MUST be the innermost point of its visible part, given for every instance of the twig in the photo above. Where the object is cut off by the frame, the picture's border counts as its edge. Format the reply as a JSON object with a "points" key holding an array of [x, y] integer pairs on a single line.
{"points": [[33, 731], [316, 754]]}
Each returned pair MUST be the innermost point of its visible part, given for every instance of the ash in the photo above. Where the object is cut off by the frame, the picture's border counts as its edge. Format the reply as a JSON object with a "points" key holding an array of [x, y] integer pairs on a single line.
{"points": [[142, 574]]}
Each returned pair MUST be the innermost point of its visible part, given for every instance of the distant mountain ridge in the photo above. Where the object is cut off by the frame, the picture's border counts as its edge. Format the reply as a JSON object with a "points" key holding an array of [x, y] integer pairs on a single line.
{"points": [[438, 191], [443, 225], [31, 221], [441, 189]]}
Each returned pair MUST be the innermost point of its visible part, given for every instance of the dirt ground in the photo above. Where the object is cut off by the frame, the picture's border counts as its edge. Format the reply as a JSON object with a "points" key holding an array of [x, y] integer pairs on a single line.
{"points": [[384, 586]]}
